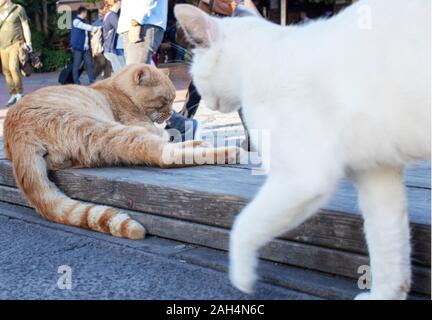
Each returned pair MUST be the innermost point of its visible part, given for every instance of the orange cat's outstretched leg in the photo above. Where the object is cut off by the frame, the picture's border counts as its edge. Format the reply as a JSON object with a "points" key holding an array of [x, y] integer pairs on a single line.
{"points": [[138, 146], [177, 155]]}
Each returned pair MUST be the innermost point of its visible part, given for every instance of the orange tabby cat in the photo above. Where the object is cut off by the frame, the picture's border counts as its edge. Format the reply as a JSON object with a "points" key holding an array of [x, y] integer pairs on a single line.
{"points": [[108, 123]]}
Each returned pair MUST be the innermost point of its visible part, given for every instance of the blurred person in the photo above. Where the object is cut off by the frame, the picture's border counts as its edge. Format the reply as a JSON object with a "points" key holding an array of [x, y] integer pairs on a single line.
{"points": [[14, 34], [80, 46], [142, 25], [110, 35], [100, 63]]}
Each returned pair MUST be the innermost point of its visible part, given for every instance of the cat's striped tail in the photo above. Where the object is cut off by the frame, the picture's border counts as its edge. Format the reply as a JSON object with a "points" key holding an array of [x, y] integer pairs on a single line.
{"points": [[30, 171]]}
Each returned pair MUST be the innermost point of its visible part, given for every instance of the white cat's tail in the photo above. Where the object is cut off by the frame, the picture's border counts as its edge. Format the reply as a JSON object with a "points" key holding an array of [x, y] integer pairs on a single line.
{"points": [[31, 175]]}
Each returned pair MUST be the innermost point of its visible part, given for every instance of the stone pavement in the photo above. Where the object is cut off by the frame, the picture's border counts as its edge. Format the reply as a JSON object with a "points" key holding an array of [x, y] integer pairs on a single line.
{"points": [[35, 254]]}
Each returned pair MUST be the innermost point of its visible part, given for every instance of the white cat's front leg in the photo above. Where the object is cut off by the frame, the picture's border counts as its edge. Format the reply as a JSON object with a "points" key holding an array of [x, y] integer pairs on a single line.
{"points": [[279, 207], [382, 201]]}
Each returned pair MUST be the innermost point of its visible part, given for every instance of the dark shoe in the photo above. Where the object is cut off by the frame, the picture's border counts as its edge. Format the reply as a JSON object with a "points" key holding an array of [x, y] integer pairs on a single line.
{"points": [[183, 129]]}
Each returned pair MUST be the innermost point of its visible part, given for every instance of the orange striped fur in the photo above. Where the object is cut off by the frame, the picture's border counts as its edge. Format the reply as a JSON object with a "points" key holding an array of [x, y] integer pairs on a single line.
{"points": [[108, 123]]}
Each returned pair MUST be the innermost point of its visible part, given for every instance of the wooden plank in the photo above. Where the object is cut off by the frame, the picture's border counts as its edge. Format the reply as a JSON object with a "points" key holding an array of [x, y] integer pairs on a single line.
{"points": [[312, 282], [328, 229], [6, 175], [235, 184], [419, 175], [419, 202], [287, 252], [222, 184], [2, 152], [345, 232], [282, 251], [12, 195]]}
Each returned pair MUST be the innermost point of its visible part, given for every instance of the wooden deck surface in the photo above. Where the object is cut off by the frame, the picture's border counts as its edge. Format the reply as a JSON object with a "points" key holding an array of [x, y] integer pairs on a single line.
{"points": [[198, 205]]}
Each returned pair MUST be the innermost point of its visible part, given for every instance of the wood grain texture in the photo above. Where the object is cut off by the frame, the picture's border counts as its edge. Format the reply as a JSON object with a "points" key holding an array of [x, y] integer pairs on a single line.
{"points": [[157, 193], [312, 282], [316, 283], [2, 153], [283, 251], [222, 184], [419, 175]]}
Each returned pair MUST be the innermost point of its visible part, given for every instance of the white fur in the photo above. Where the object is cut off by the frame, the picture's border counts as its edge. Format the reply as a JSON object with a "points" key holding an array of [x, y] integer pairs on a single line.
{"points": [[339, 100]]}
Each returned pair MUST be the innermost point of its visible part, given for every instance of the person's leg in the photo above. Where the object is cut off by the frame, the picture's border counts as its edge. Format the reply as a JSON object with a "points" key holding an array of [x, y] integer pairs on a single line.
{"points": [[15, 70], [142, 52], [4, 55], [135, 52], [89, 66], [108, 69], [110, 58], [246, 144], [192, 102], [76, 64], [121, 59], [98, 65], [116, 61], [6, 72], [126, 49], [153, 37]]}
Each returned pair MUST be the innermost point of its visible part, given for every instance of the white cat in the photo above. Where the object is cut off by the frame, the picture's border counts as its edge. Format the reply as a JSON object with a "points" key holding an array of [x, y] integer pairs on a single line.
{"points": [[348, 96]]}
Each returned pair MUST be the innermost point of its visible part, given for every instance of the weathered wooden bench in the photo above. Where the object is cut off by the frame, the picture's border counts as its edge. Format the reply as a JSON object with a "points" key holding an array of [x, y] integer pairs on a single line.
{"points": [[198, 205]]}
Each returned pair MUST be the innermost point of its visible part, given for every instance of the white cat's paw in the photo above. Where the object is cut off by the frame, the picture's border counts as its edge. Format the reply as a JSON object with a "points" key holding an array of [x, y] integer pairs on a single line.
{"points": [[363, 296], [381, 296], [243, 280]]}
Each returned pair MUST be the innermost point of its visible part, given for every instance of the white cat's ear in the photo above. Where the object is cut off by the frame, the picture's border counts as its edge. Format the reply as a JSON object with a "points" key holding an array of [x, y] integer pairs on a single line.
{"points": [[199, 27]]}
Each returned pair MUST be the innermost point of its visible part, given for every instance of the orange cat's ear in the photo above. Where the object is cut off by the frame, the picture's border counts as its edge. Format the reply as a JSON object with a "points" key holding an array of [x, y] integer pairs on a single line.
{"points": [[144, 77], [199, 27], [138, 75]]}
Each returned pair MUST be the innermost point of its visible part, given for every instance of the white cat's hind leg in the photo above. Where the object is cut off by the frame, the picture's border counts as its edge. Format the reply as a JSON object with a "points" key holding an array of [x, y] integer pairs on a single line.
{"points": [[382, 201], [279, 207]]}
